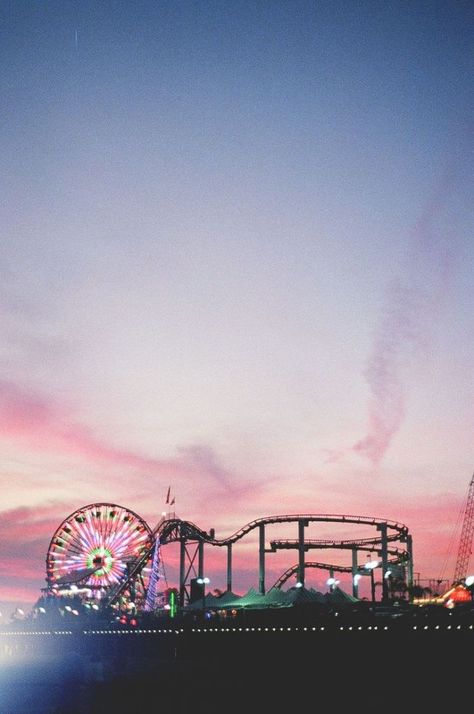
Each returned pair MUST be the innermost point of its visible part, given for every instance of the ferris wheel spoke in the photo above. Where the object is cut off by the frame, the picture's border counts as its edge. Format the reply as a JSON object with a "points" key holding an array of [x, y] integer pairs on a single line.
{"points": [[111, 521]]}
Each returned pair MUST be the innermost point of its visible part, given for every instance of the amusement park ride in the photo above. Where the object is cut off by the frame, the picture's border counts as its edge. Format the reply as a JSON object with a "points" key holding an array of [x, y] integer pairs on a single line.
{"points": [[111, 555], [461, 586], [467, 532]]}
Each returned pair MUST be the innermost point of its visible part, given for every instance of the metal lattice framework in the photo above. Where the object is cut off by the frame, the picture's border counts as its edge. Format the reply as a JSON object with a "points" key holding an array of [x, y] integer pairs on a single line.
{"points": [[152, 590], [467, 533]]}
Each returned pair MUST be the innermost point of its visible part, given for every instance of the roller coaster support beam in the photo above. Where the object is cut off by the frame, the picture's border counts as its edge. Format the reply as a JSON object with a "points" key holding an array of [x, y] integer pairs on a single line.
{"points": [[382, 527], [182, 570], [301, 550], [355, 571], [191, 552], [261, 559], [201, 559], [229, 567], [410, 565]]}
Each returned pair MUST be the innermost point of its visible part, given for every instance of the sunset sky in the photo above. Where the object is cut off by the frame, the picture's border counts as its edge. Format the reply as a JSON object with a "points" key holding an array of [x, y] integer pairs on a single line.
{"points": [[236, 259]]}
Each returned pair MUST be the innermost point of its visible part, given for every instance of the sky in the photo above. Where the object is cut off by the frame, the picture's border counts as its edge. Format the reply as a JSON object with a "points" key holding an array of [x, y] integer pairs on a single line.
{"points": [[236, 260]]}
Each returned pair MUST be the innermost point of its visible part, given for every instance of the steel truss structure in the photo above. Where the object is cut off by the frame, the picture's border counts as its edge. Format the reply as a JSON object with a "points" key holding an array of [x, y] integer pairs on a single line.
{"points": [[467, 532]]}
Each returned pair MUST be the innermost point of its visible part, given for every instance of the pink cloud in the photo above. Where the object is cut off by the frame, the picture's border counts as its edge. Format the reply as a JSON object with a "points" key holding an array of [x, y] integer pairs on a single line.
{"points": [[19, 595], [21, 526], [24, 537], [46, 425]]}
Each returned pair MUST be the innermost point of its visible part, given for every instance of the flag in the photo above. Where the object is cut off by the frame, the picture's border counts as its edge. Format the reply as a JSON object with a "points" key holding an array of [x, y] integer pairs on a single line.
{"points": [[168, 495]]}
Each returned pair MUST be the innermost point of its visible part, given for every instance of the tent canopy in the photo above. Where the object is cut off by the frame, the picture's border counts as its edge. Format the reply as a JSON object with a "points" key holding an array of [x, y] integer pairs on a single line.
{"points": [[273, 598]]}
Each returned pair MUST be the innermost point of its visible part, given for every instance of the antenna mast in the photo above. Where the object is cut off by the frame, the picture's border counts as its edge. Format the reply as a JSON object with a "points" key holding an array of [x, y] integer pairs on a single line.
{"points": [[467, 532]]}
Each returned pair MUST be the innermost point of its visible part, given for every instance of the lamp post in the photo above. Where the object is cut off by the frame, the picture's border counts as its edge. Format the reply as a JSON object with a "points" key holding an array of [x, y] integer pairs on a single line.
{"points": [[203, 582]]}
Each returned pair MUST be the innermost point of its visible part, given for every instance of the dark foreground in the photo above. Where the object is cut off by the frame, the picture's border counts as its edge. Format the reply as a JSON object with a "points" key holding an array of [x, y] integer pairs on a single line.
{"points": [[348, 665]]}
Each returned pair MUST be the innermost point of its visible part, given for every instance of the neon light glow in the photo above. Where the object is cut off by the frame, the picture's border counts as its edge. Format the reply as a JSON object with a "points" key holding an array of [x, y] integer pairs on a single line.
{"points": [[98, 543], [172, 604]]}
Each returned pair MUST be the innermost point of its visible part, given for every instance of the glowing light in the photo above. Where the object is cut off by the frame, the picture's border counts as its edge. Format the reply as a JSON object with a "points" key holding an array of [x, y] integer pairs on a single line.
{"points": [[102, 538], [371, 564], [172, 604]]}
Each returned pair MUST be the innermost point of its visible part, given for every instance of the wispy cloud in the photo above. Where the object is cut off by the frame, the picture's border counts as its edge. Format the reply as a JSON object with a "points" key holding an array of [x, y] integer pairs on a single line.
{"points": [[397, 329], [404, 324]]}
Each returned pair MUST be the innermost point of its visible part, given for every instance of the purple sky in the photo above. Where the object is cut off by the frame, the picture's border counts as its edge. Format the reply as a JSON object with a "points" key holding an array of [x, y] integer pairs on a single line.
{"points": [[236, 258]]}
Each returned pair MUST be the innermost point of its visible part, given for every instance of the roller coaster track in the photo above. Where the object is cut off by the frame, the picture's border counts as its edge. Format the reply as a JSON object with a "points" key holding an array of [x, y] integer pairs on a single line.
{"points": [[174, 529], [326, 566], [309, 564], [369, 544]]}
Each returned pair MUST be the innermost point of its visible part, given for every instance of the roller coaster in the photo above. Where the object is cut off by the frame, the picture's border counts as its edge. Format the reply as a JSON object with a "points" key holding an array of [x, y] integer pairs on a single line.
{"points": [[111, 552]]}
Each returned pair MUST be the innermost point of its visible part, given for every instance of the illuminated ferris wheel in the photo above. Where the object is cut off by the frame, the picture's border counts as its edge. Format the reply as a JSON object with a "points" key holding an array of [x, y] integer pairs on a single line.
{"points": [[97, 546]]}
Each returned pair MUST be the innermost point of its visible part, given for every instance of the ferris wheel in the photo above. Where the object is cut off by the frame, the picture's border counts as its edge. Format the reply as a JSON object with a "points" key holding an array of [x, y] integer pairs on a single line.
{"points": [[96, 546]]}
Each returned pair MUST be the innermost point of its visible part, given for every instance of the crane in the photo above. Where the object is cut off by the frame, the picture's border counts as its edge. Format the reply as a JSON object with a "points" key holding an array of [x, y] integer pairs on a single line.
{"points": [[467, 532]]}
